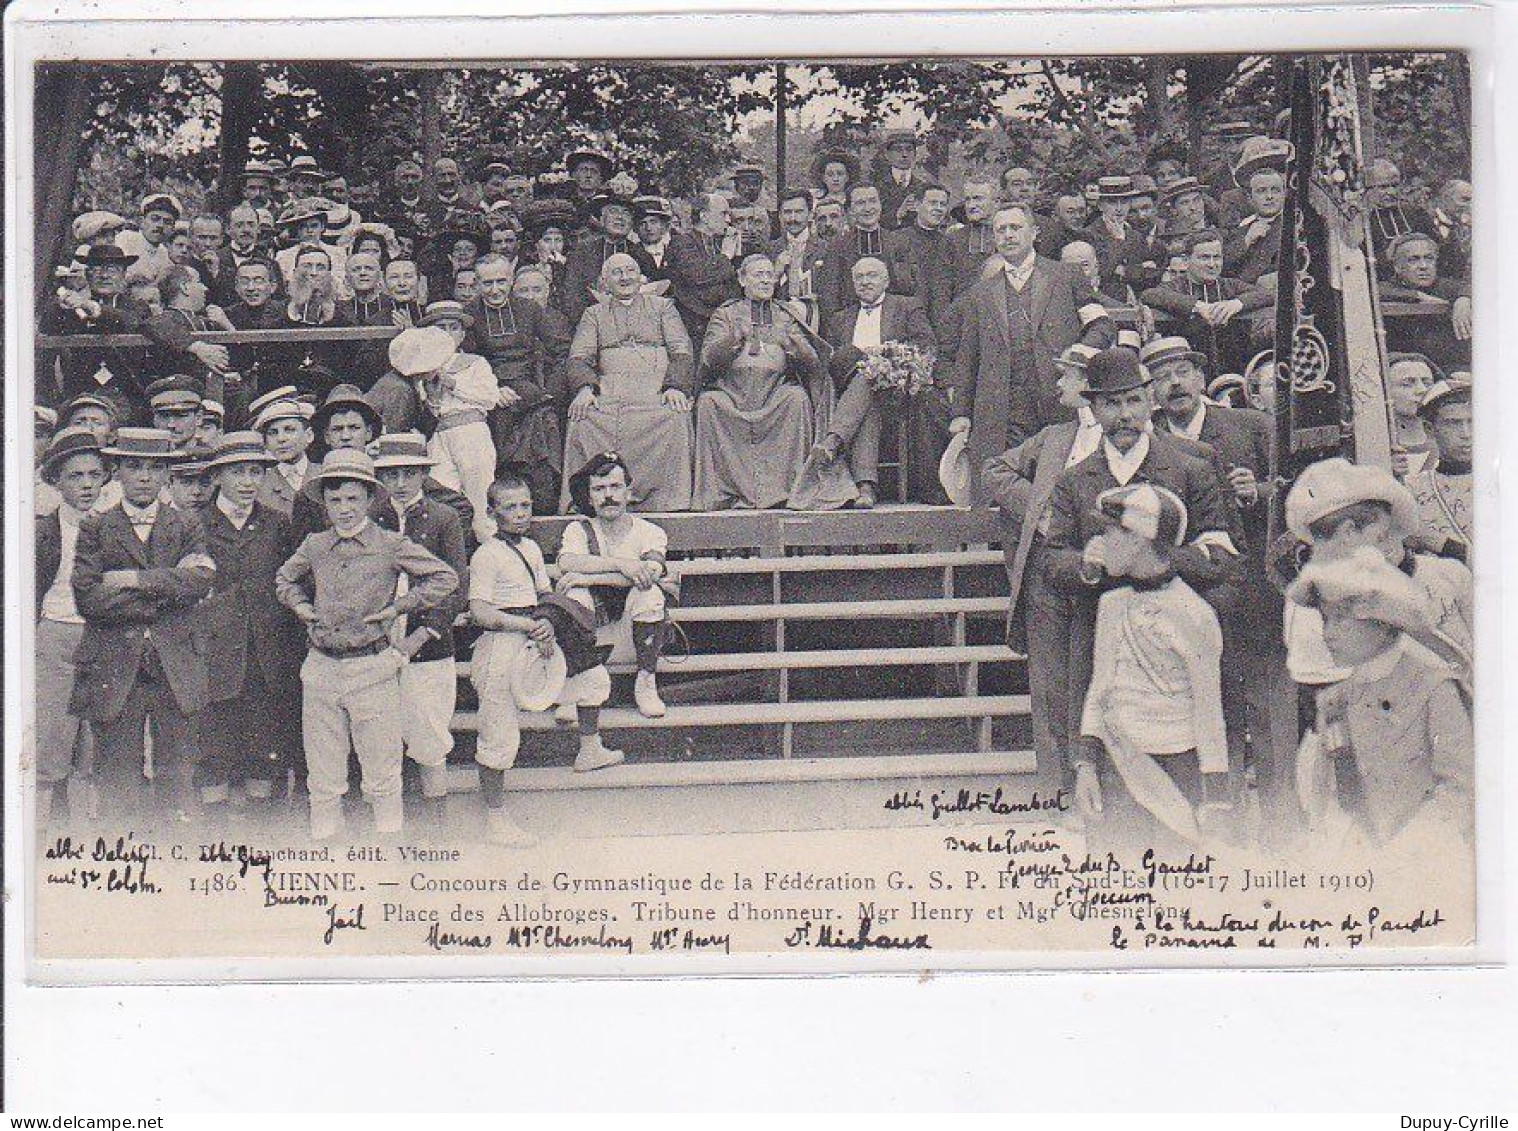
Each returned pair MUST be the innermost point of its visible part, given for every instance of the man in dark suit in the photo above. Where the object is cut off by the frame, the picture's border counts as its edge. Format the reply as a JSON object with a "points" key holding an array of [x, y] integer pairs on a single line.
{"points": [[1014, 324], [582, 267], [1250, 249], [429, 680], [972, 239], [862, 237], [701, 275], [1207, 308], [140, 569], [1440, 329], [799, 254], [1021, 482], [875, 318], [253, 644], [1122, 248], [899, 180], [1390, 216], [922, 258], [1257, 698], [1132, 450]]}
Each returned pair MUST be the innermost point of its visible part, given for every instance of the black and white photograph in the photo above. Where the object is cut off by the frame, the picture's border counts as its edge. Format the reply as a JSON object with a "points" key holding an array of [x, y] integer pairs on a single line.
{"points": [[927, 510]]}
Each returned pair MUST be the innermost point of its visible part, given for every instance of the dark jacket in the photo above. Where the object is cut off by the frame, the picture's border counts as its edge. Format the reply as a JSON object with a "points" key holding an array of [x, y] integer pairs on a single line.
{"points": [[582, 269], [120, 622], [437, 528], [835, 290], [701, 279], [246, 630], [923, 264], [1226, 346], [49, 549]]}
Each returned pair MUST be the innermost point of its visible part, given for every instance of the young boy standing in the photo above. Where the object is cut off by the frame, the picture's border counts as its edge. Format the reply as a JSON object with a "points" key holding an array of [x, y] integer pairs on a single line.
{"points": [[507, 579], [1155, 700], [1393, 743], [342, 583]]}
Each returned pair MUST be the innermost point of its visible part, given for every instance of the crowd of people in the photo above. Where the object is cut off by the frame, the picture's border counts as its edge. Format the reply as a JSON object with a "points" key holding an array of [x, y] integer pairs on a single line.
{"points": [[303, 517]]}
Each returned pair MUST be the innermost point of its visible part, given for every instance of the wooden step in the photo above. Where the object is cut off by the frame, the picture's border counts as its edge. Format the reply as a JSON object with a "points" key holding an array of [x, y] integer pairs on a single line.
{"points": [[636, 775], [770, 714], [842, 610], [820, 658]]}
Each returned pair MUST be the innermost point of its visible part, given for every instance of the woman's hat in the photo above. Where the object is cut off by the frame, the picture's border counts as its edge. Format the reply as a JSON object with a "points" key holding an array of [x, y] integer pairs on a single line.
{"points": [[1148, 510], [348, 398], [1332, 484], [306, 208], [401, 449], [446, 310], [1114, 370], [65, 445], [540, 215], [1259, 153], [142, 443], [420, 349], [347, 463], [954, 469], [88, 225], [239, 447], [834, 156], [537, 680]]}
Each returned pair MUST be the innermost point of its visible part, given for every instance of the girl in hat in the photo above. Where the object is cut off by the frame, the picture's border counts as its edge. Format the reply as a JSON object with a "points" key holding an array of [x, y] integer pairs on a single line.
{"points": [[1155, 700], [1393, 745]]}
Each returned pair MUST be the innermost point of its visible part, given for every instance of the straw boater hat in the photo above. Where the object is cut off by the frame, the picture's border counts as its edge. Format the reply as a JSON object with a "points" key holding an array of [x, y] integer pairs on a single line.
{"points": [[1333, 484], [401, 449], [305, 168], [1259, 153], [643, 206], [1182, 186], [192, 461], [346, 398], [420, 349], [280, 410], [1222, 387], [1162, 351], [538, 680], [264, 400], [142, 443], [44, 417], [239, 447], [1116, 188], [954, 469], [1148, 510], [1077, 356], [67, 444], [177, 394], [445, 310], [214, 409], [580, 156], [257, 171]]}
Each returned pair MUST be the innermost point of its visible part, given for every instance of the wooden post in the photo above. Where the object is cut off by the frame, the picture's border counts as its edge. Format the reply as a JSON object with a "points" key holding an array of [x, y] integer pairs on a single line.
{"points": [[240, 87], [60, 112], [428, 93], [780, 93], [1359, 64]]}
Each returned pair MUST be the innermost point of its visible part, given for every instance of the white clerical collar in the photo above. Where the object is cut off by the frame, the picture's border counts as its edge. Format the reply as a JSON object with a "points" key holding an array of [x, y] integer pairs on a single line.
{"points": [[1192, 429], [237, 516], [901, 176], [1125, 465]]}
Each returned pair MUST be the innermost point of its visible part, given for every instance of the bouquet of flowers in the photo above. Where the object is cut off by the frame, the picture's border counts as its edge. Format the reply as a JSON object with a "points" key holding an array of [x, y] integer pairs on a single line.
{"points": [[898, 367]]}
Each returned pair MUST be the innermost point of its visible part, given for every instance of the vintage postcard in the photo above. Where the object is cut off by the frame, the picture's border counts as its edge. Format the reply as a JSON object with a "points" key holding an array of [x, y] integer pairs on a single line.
{"points": [[718, 508]]}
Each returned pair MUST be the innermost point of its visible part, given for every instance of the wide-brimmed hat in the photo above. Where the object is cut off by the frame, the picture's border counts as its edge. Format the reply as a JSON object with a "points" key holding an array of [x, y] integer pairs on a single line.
{"points": [[1148, 510], [445, 309], [161, 200], [347, 463], [580, 156], [537, 680], [177, 393], [1162, 351], [502, 214], [142, 443], [1114, 370], [347, 398], [420, 349], [401, 449], [64, 446], [460, 224], [1262, 152], [1333, 484], [280, 410], [1441, 393], [540, 215], [107, 255], [88, 225], [239, 447], [954, 469], [1116, 188]]}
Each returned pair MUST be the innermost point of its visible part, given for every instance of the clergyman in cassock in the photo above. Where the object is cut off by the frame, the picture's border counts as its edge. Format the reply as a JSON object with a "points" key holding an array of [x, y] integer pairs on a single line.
{"points": [[633, 372], [754, 418], [1016, 322]]}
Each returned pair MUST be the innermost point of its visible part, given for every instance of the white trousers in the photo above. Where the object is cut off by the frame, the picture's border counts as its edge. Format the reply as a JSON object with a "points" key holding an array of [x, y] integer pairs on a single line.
{"points": [[355, 700], [466, 462], [428, 693]]}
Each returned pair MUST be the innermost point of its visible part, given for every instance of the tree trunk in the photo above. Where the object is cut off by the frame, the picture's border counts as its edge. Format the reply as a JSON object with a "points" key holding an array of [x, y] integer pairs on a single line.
{"points": [[60, 112], [241, 84], [1157, 94], [429, 95]]}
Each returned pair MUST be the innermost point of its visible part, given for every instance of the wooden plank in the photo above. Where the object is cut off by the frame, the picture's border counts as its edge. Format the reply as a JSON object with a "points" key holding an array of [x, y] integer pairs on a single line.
{"points": [[767, 714], [842, 610], [812, 660], [226, 337], [776, 771], [829, 563]]}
